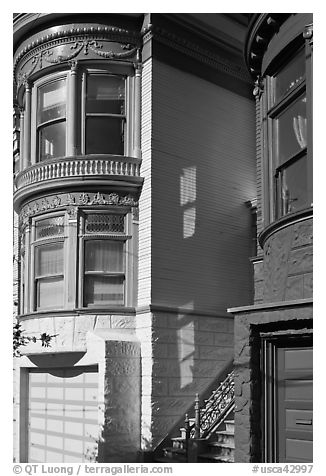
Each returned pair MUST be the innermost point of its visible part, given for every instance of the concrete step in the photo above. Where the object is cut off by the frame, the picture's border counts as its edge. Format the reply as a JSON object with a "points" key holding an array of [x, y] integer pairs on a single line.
{"points": [[220, 449], [178, 442], [229, 425], [226, 437], [175, 455], [221, 445]]}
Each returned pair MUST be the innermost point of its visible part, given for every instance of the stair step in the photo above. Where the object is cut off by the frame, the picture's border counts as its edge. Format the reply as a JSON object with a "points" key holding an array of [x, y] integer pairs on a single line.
{"points": [[225, 432], [221, 445], [177, 451], [229, 424]]}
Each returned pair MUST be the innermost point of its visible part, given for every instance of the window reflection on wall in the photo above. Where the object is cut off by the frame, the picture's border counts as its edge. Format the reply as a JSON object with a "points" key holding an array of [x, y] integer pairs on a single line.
{"points": [[188, 184]]}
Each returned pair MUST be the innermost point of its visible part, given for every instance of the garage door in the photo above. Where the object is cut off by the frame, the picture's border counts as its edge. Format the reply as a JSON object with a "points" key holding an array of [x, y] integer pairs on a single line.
{"points": [[294, 401], [63, 415]]}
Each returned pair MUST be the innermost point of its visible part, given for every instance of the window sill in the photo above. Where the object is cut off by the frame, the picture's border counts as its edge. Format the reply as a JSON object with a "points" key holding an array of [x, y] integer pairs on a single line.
{"points": [[77, 312]]}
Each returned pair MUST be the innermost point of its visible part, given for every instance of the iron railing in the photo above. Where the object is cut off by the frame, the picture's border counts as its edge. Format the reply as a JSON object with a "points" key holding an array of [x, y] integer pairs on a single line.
{"points": [[213, 412]]}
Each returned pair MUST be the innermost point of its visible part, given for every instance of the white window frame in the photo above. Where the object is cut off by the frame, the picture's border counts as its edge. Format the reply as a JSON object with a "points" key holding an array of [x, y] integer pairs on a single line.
{"points": [[117, 236], [44, 241]]}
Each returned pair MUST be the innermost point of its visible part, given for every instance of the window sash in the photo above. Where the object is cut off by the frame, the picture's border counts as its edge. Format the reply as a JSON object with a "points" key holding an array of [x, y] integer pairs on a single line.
{"points": [[49, 259], [104, 289], [51, 140], [49, 292]]}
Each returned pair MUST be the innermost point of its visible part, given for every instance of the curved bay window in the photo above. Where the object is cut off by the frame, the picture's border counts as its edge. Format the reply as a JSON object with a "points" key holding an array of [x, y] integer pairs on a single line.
{"points": [[289, 120], [82, 111]]}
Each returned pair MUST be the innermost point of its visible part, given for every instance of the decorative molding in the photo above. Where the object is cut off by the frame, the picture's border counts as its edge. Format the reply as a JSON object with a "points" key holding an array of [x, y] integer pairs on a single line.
{"points": [[261, 30], [308, 33], [259, 87], [194, 51], [71, 201], [82, 41]]}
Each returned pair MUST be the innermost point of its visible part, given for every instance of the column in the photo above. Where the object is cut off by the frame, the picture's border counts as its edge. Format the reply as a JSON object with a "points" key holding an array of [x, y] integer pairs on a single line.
{"points": [[72, 122], [21, 140], [27, 127], [137, 112]]}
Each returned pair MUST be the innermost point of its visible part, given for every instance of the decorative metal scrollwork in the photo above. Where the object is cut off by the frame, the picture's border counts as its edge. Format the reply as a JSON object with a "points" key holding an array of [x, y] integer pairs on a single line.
{"points": [[215, 410]]}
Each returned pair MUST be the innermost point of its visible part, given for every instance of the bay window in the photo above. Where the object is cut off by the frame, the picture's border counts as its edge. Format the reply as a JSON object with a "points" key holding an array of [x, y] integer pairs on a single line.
{"points": [[288, 118], [77, 263], [82, 111]]}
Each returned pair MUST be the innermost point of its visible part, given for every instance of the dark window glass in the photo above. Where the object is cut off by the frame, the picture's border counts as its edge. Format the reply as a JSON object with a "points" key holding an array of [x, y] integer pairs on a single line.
{"points": [[292, 182], [105, 94], [104, 135], [290, 75], [291, 130], [52, 140]]}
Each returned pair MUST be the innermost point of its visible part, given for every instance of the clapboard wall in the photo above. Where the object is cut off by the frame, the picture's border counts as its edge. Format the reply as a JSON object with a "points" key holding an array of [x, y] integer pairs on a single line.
{"points": [[202, 173]]}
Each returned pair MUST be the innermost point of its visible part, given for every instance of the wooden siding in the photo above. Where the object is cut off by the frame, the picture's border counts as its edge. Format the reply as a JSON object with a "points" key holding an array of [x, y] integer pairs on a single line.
{"points": [[145, 211], [202, 173], [259, 155]]}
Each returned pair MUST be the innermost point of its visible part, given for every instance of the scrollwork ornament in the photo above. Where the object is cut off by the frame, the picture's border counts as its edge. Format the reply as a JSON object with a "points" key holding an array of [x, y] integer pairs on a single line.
{"points": [[308, 34], [70, 199], [56, 201], [84, 198], [259, 87], [98, 199], [72, 212]]}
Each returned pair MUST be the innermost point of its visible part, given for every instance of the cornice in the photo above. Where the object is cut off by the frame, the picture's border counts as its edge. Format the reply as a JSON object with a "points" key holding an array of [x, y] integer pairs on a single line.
{"points": [[68, 42], [262, 28], [194, 51]]}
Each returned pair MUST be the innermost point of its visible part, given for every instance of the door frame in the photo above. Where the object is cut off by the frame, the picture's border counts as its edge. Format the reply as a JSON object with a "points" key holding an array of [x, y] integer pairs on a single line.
{"points": [[270, 342]]}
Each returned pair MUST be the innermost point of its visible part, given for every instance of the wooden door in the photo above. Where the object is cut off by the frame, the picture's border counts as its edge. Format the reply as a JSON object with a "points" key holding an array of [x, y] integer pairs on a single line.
{"points": [[294, 404]]}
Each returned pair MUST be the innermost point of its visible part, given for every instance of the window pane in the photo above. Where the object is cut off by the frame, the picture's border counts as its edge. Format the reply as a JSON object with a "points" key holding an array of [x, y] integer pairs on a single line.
{"points": [[104, 256], [50, 293], [49, 259], [291, 130], [50, 227], [104, 290], [105, 94], [52, 141], [294, 186], [51, 101], [104, 135], [103, 223], [291, 75]]}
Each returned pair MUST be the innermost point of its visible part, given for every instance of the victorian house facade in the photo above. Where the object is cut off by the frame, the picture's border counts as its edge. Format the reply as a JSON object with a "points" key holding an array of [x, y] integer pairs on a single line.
{"points": [[154, 196]]}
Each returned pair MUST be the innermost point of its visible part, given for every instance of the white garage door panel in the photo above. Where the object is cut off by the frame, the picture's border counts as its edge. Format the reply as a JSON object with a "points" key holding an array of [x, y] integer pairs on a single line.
{"points": [[63, 415]]}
